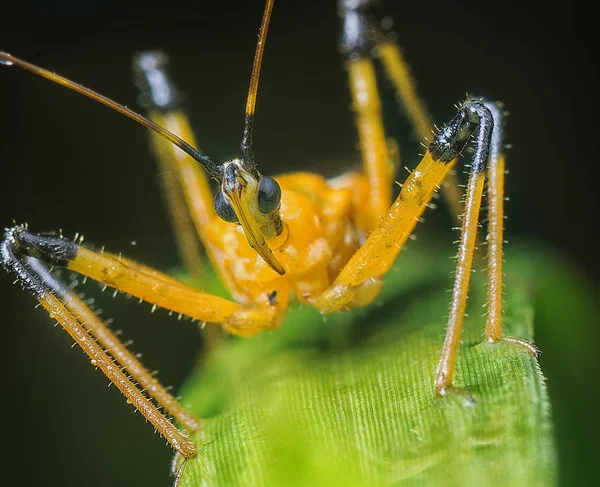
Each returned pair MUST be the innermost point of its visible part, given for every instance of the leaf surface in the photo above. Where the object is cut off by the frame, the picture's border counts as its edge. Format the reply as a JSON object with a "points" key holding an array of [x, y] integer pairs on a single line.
{"points": [[348, 399]]}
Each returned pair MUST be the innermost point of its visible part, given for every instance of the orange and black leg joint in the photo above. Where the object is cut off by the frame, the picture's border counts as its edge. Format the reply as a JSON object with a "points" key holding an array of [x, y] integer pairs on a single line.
{"points": [[151, 77], [361, 20], [375, 257], [357, 46], [185, 186], [162, 101], [52, 250], [447, 145], [146, 284], [90, 333], [359, 28], [495, 239]]}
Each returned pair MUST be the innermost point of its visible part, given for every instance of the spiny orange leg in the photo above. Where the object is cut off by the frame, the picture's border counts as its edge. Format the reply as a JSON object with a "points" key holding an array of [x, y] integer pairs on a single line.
{"points": [[479, 113], [162, 101], [397, 69], [23, 254], [378, 253], [363, 40], [357, 47], [95, 338], [185, 186], [496, 171], [489, 151], [145, 283]]}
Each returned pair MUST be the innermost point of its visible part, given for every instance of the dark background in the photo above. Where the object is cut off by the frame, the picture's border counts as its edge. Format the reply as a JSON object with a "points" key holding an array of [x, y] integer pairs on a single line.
{"points": [[69, 163]]}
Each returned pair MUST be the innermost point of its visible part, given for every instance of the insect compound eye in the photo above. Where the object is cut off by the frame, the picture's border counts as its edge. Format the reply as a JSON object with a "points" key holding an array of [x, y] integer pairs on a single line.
{"points": [[269, 194], [224, 209]]}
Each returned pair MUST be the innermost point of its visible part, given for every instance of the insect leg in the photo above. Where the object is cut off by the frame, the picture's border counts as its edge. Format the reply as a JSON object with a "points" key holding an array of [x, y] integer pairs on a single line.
{"points": [[185, 185], [496, 171], [357, 46], [364, 39], [475, 186], [399, 73], [379, 251], [162, 101], [377, 254], [147, 284], [93, 337], [493, 331]]}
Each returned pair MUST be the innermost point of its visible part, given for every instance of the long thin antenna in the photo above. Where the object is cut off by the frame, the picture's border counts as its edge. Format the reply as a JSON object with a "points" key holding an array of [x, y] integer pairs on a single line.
{"points": [[205, 161], [247, 155]]}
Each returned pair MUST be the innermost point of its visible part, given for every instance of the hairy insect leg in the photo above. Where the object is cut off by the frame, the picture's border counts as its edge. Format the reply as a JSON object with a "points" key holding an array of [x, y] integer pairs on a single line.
{"points": [[374, 258], [445, 370], [93, 337], [148, 284], [488, 157], [162, 101], [377, 254], [382, 246], [363, 41], [495, 238], [357, 47], [186, 189], [399, 73]]}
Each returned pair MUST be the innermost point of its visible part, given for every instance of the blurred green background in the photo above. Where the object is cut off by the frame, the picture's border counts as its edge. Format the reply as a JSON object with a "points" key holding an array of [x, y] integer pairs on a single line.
{"points": [[68, 163]]}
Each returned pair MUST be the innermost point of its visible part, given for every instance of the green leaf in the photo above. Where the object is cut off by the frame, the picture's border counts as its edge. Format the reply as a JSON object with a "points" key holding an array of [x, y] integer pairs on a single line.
{"points": [[348, 399]]}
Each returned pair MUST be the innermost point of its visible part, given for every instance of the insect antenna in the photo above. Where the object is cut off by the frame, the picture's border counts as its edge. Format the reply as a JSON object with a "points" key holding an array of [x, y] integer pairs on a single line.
{"points": [[247, 155], [210, 166]]}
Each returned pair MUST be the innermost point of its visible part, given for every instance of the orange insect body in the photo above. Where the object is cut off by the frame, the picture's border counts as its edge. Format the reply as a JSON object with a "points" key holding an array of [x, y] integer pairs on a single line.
{"points": [[319, 236]]}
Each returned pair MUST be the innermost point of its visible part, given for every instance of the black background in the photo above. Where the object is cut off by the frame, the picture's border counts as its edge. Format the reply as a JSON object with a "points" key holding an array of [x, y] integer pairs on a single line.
{"points": [[66, 162]]}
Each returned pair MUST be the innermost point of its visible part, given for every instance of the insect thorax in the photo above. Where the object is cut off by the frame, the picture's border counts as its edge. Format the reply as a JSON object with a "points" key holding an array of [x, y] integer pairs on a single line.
{"points": [[321, 232]]}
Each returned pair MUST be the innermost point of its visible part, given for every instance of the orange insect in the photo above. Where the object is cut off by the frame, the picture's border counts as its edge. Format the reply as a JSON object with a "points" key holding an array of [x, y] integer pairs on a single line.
{"points": [[326, 243]]}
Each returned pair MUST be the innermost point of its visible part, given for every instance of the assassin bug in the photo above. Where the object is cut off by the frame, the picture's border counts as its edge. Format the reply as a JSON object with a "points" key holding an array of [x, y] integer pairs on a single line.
{"points": [[260, 247]]}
